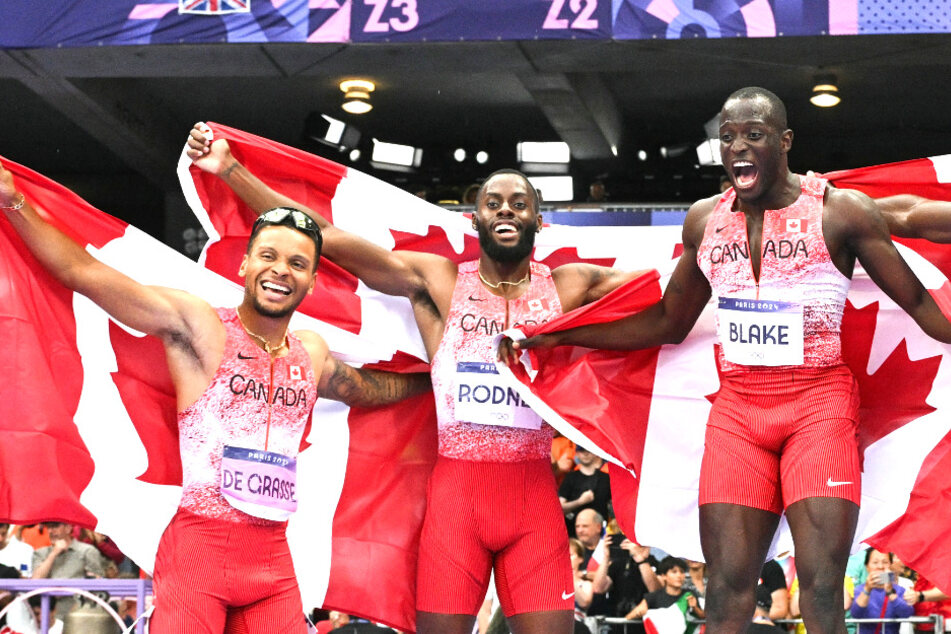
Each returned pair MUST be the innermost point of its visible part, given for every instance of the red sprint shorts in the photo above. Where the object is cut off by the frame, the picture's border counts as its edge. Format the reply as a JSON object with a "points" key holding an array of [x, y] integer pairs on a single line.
{"points": [[775, 437], [505, 515], [209, 573]]}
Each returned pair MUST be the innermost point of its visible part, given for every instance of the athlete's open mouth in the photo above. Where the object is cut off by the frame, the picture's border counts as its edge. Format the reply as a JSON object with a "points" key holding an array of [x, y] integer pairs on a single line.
{"points": [[505, 228], [744, 173], [276, 288]]}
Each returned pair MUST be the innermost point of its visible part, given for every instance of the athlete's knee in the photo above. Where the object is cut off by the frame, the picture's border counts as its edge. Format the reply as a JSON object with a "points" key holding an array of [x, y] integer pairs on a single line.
{"points": [[822, 597]]}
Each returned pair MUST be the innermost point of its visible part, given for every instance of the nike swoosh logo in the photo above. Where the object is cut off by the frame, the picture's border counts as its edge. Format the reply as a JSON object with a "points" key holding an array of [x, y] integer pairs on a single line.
{"points": [[832, 483], [241, 356], [720, 229], [565, 595], [476, 299]]}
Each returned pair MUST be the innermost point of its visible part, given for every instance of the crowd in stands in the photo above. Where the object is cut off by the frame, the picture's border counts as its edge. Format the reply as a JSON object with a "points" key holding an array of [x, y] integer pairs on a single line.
{"points": [[614, 576]]}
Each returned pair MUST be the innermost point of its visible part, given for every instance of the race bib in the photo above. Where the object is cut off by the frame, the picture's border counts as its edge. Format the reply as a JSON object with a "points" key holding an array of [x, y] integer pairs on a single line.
{"points": [[760, 332], [482, 397], [260, 483]]}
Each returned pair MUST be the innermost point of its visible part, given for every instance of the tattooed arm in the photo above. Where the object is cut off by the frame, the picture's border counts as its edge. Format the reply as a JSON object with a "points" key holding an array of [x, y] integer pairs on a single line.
{"points": [[368, 388], [358, 386]]}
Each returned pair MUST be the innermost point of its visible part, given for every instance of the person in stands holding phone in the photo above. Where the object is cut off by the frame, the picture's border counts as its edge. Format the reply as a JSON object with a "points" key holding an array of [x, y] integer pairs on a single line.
{"points": [[879, 597]]}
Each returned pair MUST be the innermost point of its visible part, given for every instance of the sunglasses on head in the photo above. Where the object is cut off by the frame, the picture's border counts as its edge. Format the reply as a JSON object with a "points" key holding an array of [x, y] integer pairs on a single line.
{"points": [[279, 215]]}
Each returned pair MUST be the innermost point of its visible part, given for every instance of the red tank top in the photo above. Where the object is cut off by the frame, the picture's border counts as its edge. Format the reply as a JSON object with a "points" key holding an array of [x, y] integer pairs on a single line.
{"points": [[243, 407], [463, 366], [796, 269]]}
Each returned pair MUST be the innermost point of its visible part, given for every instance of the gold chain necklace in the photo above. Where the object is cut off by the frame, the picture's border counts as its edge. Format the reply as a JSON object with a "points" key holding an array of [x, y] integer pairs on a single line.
{"points": [[500, 283], [267, 346]]}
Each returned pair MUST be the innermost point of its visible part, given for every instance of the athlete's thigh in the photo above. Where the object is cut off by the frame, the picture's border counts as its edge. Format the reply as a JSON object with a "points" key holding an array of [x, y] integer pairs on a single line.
{"points": [[532, 570], [736, 467], [187, 581], [453, 565]]}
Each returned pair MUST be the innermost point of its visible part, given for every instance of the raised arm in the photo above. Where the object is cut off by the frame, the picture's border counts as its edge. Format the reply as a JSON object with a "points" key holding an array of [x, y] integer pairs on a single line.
{"points": [[911, 216], [867, 236], [580, 284], [166, 313], [404, 273], [667, 321]]}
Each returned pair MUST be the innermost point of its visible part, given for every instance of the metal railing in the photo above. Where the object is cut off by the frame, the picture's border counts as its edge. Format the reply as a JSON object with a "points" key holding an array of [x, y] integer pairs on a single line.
{"points": [[140, 588]]}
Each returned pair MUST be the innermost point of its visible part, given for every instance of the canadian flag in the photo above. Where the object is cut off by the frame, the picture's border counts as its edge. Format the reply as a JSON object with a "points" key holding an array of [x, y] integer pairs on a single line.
{"points": [[88, 430], [796, 225]]}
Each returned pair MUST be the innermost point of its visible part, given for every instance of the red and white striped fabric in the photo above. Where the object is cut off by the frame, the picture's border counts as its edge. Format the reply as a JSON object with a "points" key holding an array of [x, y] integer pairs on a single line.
{"points": [[646, 410]]}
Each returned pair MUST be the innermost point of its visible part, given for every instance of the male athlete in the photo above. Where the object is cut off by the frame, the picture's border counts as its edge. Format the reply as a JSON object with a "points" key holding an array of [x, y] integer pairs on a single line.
{"points": [[492, 502], [777, 250], [245, 388]]}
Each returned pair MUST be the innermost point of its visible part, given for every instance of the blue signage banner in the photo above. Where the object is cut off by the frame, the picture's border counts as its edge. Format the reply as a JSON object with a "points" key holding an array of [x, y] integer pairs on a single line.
{"points": [[55, 23], [454, 20]]}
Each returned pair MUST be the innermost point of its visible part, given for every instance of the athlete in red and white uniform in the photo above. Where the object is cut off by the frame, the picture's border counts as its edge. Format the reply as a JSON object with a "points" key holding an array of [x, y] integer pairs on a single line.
{"points": [[499, 469], [492, 497], [254, 403], [778, 251], [787, 407], [244, 389]]}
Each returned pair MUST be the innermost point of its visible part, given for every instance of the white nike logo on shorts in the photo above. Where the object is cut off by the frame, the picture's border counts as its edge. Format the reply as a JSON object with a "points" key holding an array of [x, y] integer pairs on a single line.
{"points": [[566, 595], [832, 483]]}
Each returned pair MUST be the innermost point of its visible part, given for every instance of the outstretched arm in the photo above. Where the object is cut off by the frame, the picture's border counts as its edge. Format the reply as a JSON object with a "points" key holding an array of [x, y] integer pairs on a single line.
{"points": [[867, 235], [911, 216], [402, 273], [667, 321], [368, 388], [361, 387], [165, 313]]}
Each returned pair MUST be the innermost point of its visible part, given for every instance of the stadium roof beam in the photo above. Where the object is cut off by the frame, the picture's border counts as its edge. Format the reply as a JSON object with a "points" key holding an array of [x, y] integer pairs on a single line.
{"points": [[581, 109], [125, 121]]}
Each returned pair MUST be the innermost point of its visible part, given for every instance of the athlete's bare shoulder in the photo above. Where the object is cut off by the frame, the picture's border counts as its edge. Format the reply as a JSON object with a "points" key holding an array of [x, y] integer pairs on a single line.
{"points": [[696, 221]]}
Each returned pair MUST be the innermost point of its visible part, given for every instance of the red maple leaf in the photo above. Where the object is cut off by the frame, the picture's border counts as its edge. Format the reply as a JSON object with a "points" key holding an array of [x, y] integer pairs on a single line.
{"points": [[896, 392]]}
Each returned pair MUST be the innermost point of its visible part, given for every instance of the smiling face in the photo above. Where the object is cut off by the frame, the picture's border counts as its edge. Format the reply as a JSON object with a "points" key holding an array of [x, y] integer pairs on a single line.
{"points": [[754, 143], [279, 270], [507, 217]]}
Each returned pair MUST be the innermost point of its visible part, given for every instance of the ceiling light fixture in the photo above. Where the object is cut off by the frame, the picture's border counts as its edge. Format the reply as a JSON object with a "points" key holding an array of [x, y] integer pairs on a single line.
{"points": [[356, 95], [825, 94], [459, 154]]}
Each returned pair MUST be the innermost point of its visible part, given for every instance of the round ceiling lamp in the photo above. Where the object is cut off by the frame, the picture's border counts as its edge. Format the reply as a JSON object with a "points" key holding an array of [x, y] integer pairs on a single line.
{"points": [[825, 94], [356, 95]]}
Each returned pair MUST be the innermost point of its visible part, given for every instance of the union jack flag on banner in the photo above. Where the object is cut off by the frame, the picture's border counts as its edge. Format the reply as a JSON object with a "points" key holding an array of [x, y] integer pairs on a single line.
{"points": [[214, 7]]}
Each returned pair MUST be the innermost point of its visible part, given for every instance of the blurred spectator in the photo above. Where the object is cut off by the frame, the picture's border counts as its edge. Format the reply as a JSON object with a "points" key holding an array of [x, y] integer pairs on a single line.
{"points": [[586, 488], [588, 526], [584, 586], [35, 535], [66, 558], [562, 457], [671, 570], [879, 597], [597, 192], [15, 553], [631, 577], [848, 591], [762, 624], [696, 579], [856, 567], [725, 183], [773, 577], [927, 600]]}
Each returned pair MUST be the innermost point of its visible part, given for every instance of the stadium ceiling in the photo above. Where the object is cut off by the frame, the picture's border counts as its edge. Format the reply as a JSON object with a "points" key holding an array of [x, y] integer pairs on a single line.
{"points": [[121, 109]]}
